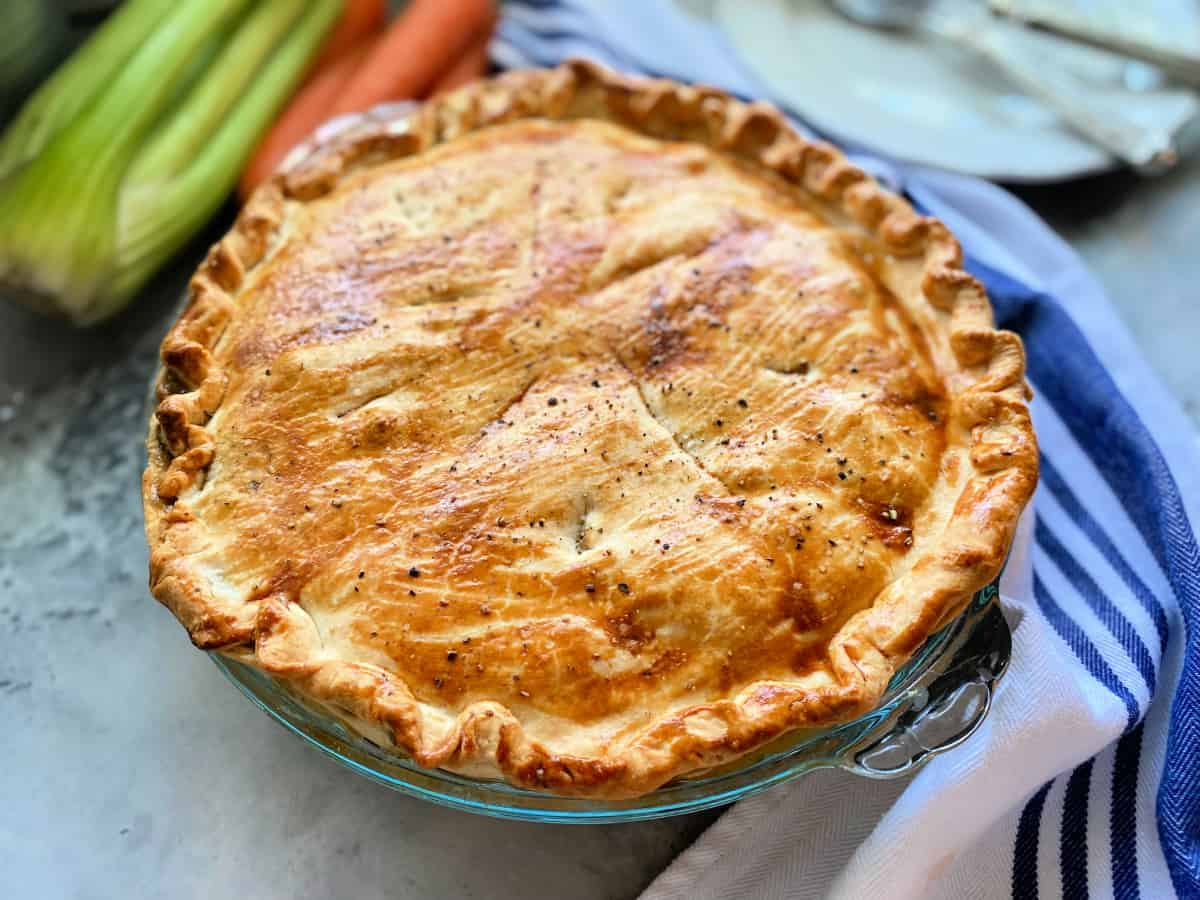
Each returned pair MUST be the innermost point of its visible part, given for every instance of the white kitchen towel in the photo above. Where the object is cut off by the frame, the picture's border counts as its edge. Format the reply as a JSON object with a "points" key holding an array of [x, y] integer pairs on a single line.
{"points": [[1085, 779]]}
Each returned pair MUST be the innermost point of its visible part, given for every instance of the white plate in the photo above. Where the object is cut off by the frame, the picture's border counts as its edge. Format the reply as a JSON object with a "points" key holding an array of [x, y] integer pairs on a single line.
{"points": [[925, 101]]}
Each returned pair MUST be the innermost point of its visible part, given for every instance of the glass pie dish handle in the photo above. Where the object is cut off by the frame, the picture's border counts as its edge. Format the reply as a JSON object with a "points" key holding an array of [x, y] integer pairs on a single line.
{"points": [[943, 708]]}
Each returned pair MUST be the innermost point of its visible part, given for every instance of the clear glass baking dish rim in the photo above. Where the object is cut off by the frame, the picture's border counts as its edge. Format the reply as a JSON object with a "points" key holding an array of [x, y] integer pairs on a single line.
{"points": [[933, 704]]}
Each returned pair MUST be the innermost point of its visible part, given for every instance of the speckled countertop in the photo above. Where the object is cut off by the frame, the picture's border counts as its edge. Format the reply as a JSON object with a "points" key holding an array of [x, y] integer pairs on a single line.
{"points": [[132, 768]]}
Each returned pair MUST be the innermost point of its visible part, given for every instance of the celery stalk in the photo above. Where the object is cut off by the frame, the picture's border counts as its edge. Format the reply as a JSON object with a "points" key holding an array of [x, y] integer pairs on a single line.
{"points": [[211, 100], [114, 191], [196, 192], [78, 80]]}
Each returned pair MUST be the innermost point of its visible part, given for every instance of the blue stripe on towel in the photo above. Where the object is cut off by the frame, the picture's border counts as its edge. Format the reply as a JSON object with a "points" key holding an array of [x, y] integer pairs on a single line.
{"points": [[1123, 815], [1072, 842], [1085, 651], [1025, 854], [1073, 834], [1090, 527], [1101, 604]]}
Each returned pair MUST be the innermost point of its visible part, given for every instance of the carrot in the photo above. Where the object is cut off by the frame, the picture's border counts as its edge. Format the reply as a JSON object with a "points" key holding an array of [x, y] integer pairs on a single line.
{"points": [[473, 64], [359, 18], [309, 108], [421, 43]]}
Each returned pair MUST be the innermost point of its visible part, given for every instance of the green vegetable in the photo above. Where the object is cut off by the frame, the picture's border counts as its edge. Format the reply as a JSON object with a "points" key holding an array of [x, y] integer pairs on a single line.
{"points": [[135, 142]]}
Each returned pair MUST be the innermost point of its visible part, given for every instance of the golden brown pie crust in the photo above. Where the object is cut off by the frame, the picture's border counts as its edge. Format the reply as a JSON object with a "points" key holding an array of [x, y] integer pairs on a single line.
{"points": [[584, 431]]}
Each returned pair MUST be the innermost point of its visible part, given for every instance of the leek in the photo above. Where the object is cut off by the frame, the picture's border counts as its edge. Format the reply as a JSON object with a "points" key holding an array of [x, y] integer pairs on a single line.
{"points": [[136, 141]]}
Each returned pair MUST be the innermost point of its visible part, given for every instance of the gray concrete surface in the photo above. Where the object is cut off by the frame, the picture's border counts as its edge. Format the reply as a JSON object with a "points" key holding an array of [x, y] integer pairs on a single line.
{"points": [[130, 768]]}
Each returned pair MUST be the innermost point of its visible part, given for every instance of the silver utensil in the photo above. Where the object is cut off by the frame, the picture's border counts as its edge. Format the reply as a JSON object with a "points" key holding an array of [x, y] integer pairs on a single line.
{"points": [[970, 25], [1175, 63]]}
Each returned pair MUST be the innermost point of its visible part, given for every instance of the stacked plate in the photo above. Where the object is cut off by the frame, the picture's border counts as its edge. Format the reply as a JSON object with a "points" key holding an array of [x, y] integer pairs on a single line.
{"points": [[925, 100]]}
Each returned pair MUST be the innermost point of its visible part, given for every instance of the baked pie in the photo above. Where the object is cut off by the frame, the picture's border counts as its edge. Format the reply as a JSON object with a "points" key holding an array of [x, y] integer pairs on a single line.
{"points": [[582, 431]]}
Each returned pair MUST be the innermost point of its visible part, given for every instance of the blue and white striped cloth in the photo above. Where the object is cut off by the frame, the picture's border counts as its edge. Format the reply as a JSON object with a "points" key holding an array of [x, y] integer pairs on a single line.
{"points": [[1085, 779]]}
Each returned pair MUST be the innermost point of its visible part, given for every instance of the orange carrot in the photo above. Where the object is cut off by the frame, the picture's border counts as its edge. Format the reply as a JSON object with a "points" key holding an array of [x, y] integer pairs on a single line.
{"points": [[359, 18], [308, 109], [473, 64], [419, 45]]}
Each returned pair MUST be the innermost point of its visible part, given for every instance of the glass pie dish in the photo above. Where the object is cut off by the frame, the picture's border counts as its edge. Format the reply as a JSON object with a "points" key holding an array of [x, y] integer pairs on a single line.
{"points": [[933, 704]]}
